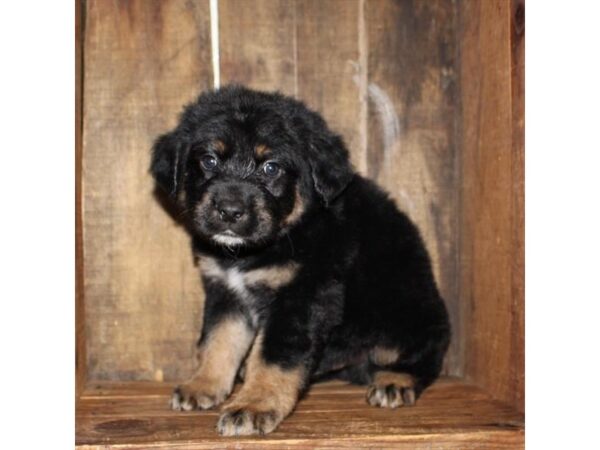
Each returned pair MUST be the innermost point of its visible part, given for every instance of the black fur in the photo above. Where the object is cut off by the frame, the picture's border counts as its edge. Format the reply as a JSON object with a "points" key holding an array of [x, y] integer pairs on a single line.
{"points": [[364, 278]]}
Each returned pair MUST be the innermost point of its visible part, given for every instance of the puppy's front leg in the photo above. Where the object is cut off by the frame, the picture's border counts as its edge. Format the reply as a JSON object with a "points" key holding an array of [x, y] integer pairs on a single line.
{"points": [[220, 353], [268, 395], [281, 360]]}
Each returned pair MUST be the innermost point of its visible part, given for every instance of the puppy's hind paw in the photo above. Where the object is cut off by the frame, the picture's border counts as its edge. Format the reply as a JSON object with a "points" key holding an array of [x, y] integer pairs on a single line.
{"points": [[390, 396]]}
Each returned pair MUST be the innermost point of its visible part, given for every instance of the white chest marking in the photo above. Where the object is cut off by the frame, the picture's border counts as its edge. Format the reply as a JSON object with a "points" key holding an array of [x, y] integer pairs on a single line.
{"points": [[234, 279], [271, 276]]}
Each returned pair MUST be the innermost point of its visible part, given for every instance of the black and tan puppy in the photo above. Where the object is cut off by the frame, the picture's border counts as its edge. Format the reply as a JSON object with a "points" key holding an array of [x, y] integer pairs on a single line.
{"points": [[309, 269]]}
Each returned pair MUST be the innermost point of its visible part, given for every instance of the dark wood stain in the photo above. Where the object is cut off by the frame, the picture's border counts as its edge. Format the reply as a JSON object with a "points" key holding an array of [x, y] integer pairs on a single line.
{"points": [[124, 427], [519, 18]]}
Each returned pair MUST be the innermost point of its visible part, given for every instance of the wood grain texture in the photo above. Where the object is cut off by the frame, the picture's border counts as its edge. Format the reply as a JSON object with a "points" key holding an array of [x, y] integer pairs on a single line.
{"points": [[258, 44], [517, 373], [492, 255], [450, 415], [331, 79], [80, 354], [412, 88], [308, 49], [143, 61]]}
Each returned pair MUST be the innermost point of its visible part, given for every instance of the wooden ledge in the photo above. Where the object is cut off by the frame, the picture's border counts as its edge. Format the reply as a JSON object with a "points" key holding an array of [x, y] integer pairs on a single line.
{"points": [[450, 415]]}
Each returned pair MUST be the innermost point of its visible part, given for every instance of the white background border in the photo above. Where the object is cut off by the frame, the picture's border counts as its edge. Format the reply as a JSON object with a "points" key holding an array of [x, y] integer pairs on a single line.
{"points": [[562, 223]]}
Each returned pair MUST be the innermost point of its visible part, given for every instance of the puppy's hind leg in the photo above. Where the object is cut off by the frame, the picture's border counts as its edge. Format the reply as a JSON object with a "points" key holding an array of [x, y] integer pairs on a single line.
{"points": [[398, 380]]}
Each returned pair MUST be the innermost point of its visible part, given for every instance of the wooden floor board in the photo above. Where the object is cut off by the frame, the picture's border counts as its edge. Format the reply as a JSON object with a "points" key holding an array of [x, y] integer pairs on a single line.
{"points": [[449, 415]]}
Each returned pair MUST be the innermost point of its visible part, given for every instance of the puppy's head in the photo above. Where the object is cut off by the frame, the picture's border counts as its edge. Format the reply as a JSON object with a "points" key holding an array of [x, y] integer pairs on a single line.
{"points": [[247, 166]]}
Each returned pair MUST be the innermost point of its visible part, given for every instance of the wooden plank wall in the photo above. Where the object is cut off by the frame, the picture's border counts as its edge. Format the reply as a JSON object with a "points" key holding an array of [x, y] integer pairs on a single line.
{"points": [[382, 72], [492, 226], [80, 343], [143, 60]]}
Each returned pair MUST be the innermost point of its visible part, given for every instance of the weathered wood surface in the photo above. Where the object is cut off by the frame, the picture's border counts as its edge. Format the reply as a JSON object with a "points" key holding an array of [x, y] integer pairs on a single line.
{"points": [[309, 49], [413, 113], [330, 40], [517, 367], [80, 343], [492, 225], [143, 60], [257, 44], [450, 415]]}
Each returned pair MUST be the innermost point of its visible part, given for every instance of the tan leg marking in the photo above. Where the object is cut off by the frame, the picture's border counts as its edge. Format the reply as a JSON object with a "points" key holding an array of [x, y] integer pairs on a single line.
{"points": [[268, 395], [400, 379], [383, 356], [391, 390], [219, 359]]}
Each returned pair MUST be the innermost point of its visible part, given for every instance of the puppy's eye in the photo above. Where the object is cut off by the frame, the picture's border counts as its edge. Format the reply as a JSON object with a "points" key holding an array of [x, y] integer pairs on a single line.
{"points": [[208, 162], [271, 169]]}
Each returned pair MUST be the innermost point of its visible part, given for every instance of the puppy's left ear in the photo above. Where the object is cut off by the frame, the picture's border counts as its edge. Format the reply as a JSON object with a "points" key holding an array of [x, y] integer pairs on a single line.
{"points": [[168, 163], [330, 167]]}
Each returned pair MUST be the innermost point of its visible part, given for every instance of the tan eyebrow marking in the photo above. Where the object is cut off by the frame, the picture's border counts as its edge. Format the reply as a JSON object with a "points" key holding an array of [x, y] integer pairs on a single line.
{"points": [[261, 150], [219, 147]]}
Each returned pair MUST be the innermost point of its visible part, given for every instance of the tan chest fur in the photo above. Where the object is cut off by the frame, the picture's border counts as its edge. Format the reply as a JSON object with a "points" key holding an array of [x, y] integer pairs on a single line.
{"points": [[272, 277]]}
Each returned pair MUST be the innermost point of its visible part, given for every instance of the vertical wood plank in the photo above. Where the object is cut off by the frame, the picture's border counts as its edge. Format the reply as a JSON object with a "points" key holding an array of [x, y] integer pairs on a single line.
{"points": [[143, 60], [305, 48], [258, 44], [412, 117], [517, 375], [80, 356], [330, 76], [492, 196]]}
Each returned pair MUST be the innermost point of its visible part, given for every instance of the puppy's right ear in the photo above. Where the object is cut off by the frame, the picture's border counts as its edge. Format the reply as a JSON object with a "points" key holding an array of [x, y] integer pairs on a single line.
{"points": [[168, 163]]}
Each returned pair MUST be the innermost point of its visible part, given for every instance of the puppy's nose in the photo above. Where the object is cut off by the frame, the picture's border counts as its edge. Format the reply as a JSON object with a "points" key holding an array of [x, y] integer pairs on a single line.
{"points": [[230, 210]]}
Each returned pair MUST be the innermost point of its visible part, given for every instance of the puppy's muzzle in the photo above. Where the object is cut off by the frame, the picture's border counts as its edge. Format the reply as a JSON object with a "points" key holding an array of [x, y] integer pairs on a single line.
{"points": [[230, 210]]}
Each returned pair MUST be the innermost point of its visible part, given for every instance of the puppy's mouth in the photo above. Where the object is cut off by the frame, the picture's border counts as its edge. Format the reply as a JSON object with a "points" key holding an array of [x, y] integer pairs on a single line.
{"points": [[228, 238]]}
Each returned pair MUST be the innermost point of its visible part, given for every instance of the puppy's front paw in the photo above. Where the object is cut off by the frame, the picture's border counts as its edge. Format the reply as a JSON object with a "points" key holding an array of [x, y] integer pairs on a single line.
{"points": [[245, 421], [390, 396], [188, 398]]}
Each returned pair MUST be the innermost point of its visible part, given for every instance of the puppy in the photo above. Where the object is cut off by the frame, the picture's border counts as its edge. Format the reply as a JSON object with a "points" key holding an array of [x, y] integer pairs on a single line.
{"points": [[309, 269]]}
